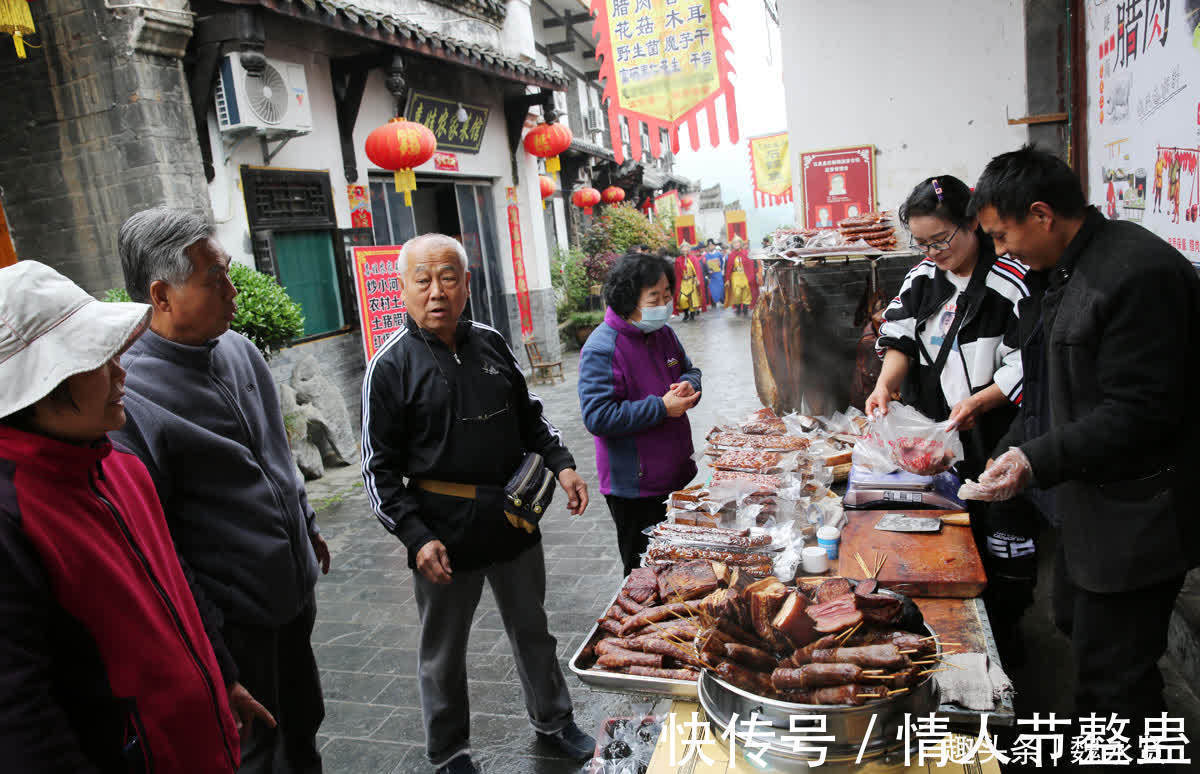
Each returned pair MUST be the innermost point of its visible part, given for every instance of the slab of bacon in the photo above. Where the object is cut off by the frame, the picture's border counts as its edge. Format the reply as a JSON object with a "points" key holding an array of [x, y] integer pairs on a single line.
{"points": [[747, 461], [779, 443]]}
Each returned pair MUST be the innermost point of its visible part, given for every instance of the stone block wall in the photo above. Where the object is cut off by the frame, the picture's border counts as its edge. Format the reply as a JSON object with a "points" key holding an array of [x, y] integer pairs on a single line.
{"points": [[342, 359], [96, 127], [545, 325]]}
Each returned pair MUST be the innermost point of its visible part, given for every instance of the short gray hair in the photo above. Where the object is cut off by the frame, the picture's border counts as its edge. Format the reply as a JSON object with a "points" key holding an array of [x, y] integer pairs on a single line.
{"points": [[433, 241], [153, 246]]}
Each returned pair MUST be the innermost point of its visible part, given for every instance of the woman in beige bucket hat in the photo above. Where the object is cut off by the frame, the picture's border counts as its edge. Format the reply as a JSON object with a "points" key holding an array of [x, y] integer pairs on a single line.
{"points": [[104, 656]]}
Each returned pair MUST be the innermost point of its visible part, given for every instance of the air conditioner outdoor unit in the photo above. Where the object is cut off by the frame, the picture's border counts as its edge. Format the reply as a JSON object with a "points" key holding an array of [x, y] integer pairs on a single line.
{"points": [[273, 102], [594, 121]]}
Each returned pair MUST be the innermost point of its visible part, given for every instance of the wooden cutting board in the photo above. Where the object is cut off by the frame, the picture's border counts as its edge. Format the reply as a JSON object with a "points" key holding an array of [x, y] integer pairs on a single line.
{"points": [[933, 564]]}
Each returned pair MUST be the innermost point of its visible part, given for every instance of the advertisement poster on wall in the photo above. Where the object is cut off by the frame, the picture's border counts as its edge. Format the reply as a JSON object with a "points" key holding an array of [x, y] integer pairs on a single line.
{"points": [[836, 184], [1143, 61], [377, 285]]}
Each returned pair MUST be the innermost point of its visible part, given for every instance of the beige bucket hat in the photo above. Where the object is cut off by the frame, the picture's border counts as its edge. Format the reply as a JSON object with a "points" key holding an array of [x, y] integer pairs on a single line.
{"points": [[50, 328]]}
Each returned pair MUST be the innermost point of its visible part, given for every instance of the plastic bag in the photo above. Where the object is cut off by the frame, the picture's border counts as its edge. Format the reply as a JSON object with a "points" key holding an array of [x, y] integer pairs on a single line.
{"points": [[911, 442], [626, 745]]}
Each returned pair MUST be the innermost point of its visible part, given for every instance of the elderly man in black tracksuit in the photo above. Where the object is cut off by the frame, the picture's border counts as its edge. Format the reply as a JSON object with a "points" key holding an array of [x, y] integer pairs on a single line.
{"points": [[1110, 353], [446, 407]]}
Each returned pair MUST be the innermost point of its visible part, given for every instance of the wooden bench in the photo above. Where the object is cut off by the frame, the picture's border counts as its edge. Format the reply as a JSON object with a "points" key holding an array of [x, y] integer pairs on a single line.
{"points": [[543, 370]]}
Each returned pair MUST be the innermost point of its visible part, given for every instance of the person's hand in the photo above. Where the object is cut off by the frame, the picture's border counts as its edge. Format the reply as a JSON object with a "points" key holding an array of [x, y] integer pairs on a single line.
{"points": [[245, 710], [678, 405], [683, 389], [576, 488], [878, 401], [321, 549], [1007, 477], [965, 414], [434, 563]]}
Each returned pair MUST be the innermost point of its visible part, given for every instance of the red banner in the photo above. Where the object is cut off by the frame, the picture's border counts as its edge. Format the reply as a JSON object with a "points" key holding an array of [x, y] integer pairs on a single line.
{"points": [[837, 184], [685, 230], [518, 258], [377, 285], [735, 225], [663, 63]]}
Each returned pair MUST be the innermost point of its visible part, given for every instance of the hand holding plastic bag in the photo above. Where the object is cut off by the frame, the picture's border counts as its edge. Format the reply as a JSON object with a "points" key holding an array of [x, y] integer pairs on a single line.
{"points": [[905, 438], [1008, 476]]}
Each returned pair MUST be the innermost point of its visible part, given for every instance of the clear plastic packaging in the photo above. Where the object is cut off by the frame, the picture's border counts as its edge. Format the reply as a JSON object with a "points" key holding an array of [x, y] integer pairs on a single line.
{"points": [[626, 745], [906, 439]]}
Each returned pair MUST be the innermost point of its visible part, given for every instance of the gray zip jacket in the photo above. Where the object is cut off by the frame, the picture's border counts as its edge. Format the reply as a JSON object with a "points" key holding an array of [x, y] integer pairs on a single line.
{"points": [[207, 424]]}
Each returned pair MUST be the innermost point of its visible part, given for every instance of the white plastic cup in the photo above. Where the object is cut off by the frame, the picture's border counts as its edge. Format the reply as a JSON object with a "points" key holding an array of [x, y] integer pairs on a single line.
{"points": [[814, 559], [828, 538]]}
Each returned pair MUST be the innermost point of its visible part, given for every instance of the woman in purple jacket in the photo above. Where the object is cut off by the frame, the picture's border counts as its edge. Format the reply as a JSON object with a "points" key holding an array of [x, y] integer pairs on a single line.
{"points": [[636, 385]]}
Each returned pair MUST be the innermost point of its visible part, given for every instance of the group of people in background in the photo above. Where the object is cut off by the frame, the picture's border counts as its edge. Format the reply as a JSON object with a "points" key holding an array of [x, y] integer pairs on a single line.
{"points": [[713, 275]]}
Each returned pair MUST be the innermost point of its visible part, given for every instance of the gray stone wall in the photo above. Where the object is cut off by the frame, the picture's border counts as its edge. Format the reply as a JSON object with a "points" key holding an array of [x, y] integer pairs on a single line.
{"points": [[94, 130], [545, 325], [342, 360]]}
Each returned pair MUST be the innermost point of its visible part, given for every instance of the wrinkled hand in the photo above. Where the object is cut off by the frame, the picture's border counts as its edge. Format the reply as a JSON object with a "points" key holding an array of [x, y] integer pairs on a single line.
{"points": [[245, 710], [683, 389], [677, 405], [575, 487], [878, 401], [434, 563], [1010, 475], [965, 414], [321, 549]]}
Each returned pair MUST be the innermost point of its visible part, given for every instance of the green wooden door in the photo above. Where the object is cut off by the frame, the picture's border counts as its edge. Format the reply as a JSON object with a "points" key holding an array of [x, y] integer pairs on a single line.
{"points": [[307, 272]]}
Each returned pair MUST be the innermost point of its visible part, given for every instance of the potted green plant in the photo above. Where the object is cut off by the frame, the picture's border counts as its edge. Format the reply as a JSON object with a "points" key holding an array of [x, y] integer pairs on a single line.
{"points": [[583, 323]]}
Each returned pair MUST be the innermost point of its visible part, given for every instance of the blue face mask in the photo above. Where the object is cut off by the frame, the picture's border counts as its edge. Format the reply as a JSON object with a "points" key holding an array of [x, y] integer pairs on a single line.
{"points": [[653, 318]]}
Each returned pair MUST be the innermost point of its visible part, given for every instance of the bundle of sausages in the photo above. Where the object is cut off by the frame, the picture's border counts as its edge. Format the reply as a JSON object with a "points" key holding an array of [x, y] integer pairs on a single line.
{"points": [[873, 228]]}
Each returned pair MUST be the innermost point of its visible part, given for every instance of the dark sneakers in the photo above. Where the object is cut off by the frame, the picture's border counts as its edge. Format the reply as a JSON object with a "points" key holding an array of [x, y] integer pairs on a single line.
{"points": [[461, 765], [571, 742]]}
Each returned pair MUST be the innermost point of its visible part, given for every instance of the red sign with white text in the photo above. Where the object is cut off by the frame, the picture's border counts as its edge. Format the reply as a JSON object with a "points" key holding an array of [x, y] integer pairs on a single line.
{"points": [[377, 285], [837, 184], [445, 162]]}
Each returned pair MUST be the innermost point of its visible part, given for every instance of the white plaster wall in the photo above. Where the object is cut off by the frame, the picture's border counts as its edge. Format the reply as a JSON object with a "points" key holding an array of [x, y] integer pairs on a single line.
{"points": [[926, 82]]}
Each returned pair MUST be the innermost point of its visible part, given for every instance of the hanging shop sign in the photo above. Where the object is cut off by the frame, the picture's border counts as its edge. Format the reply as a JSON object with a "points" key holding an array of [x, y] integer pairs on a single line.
{"points": [[664, 62], [444, 119], [735, 225], [685, 230], [668, 205], [771, 170], [518, 259], [836, 184], [377, 285], [445, 162], [1143, 116], [360, 206]]}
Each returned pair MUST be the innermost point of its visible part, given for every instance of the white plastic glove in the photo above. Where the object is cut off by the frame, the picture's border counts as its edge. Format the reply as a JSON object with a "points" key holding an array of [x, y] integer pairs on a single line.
{"points": [[1010, 475]]}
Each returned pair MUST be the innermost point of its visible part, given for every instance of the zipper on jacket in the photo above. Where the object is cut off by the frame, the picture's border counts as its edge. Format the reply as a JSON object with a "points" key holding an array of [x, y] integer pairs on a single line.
{"points": [[166, 600]]}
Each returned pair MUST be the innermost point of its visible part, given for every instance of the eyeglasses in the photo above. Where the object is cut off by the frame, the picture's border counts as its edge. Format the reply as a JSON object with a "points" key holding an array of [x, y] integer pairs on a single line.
{"points": [[933, 247]]}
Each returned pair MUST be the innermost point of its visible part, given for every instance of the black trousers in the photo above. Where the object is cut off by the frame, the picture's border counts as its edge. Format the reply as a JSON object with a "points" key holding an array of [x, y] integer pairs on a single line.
{"points": [[1006, 535], [1117, 640], [632, 515], [277, 667]]}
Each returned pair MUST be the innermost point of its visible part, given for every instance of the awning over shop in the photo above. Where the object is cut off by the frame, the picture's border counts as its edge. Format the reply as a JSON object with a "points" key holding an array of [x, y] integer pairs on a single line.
{"points": [[591, 149], [389, 30]]}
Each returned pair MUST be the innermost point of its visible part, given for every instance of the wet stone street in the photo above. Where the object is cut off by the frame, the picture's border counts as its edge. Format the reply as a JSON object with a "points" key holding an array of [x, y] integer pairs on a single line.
{"points": [[367, 625]]}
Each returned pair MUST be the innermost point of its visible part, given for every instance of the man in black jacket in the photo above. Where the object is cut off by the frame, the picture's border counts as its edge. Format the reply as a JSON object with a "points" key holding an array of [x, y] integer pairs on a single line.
{"points": [[1109, 354], [445, 406]]}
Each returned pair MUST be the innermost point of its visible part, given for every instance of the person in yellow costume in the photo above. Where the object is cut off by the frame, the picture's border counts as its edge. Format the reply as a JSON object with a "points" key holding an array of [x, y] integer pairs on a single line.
{"points": [[691, 298], [741, 278]]}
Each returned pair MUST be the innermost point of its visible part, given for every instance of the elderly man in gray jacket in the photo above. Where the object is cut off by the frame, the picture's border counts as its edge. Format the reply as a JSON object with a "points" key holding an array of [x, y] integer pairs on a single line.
{"points": [[204, 416]]}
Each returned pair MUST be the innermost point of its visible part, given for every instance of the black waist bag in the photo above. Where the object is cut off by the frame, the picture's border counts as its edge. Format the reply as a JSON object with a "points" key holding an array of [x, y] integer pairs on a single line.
{"points": [[530, 490]]}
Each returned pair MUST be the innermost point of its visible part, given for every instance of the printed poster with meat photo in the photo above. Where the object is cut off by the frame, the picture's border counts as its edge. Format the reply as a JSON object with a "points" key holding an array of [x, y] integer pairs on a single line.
{"points": [[1143, 61], [837, 184]]}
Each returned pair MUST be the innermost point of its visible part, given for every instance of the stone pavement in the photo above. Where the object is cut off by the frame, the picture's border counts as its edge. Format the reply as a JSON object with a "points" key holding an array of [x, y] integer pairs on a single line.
{"points": [[367, 625]]}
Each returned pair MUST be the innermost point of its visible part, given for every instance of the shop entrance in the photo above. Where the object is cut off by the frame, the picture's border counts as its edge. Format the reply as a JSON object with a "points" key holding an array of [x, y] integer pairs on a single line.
{"points": [[462, 210]]}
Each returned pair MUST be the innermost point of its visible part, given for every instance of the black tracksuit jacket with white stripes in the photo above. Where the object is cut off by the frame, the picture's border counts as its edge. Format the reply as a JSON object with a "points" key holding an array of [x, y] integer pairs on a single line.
{"points": [[988, 341], [466, 417]]}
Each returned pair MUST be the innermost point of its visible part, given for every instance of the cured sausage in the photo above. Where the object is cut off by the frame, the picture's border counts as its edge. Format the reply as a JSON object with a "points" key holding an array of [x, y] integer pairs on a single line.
{"points": [[812, 676], [661, 613], [746, 679], [867, 656], [665, 674], [747, 655], [619, 657]]}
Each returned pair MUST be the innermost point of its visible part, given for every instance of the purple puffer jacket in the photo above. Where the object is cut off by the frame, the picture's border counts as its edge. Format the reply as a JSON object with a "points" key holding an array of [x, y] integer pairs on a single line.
{"points": [[623, 374]]}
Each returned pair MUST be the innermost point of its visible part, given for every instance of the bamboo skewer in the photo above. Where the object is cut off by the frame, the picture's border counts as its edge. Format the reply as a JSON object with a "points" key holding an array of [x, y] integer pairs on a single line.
{"points": [[845, 636], [863, 565], [932, 671], [897, 691]]}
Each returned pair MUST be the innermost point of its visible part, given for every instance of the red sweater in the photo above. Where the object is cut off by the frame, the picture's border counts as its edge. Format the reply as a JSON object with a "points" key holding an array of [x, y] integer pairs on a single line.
{"points": [[104, 660]]}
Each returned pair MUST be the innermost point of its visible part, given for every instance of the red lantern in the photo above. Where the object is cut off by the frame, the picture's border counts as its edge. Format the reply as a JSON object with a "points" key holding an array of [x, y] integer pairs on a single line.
{"points": [[546, 141], [687, 201], [587, 198], [547, 185], [613, 195], [400, 146]]}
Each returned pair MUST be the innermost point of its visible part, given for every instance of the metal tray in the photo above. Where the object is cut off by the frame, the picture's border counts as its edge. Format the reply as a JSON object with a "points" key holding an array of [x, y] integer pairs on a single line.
{"points": [[621, 683]]}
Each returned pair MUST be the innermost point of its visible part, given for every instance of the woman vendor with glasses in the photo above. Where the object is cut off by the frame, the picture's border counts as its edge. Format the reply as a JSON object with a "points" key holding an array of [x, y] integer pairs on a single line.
{"points": [[949, 344]]}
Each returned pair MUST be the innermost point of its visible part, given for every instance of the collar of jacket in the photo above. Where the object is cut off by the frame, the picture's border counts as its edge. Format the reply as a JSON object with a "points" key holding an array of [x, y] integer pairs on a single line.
{"points": [[52, 455], [623, 326], [943, 289], [462, 329], [1093, 221], [180, 354]]}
